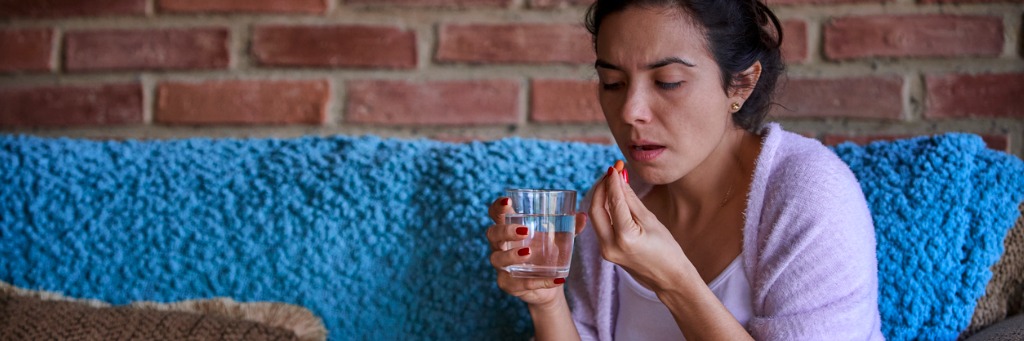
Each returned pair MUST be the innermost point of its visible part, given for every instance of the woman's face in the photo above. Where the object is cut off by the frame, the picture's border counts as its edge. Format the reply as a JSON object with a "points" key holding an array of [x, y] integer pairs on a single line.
{"points": [[661, 92]]}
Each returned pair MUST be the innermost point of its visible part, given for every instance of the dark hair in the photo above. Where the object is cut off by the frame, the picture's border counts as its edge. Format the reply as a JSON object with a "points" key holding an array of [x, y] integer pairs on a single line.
{"points": [[738, 33]]}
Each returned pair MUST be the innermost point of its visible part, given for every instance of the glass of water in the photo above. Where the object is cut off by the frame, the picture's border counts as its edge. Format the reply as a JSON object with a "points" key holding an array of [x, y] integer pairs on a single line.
{"points": [[550, 217]]}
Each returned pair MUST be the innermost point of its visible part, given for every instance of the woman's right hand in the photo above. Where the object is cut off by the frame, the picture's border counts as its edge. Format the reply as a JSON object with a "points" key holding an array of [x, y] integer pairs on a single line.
{"points": [[507, 250]]}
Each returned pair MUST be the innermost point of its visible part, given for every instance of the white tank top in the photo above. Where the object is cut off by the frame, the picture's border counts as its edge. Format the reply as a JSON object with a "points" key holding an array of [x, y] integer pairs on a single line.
{"points": [[643, 317]]}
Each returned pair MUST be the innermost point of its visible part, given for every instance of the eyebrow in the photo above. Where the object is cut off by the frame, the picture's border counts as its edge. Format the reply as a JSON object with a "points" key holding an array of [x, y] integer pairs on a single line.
{"points": [[660, 63]]}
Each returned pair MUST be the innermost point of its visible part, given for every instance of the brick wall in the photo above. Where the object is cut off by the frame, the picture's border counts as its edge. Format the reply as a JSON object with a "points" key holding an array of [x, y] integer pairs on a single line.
{"points": [[474, 69]]}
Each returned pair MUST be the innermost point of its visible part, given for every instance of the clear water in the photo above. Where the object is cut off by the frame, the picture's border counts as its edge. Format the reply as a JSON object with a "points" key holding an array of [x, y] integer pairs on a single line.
{"points": [[550, 241]]}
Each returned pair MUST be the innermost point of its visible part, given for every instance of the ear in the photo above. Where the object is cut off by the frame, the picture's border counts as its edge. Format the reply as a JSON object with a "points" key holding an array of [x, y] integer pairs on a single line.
{"points": [[744, 83]]}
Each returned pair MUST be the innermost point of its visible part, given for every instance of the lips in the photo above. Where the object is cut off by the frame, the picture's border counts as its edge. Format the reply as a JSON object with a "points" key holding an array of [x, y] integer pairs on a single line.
{"points": [[645, 151], [647, 147]]}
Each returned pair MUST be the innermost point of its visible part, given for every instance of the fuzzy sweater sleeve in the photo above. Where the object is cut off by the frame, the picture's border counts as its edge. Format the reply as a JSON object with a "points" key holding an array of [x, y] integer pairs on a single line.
{"points": [[809, 246], [590, 286]]}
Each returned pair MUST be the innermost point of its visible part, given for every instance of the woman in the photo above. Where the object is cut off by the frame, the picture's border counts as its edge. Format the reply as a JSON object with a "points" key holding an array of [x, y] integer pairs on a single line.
{"points": [[729, 229]]}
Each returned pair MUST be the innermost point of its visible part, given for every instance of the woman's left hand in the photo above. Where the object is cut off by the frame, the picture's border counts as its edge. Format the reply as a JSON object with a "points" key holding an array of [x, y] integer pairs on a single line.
{"points": [[631, 236]]}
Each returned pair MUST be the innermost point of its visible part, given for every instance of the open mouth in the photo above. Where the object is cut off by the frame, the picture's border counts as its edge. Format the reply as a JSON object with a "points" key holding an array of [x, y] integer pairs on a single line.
{"points": [[645, 152], [647, 147]]}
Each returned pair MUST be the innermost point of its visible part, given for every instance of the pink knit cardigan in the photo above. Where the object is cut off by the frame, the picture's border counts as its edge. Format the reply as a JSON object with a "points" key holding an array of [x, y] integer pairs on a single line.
{"points": [[808, 251]]}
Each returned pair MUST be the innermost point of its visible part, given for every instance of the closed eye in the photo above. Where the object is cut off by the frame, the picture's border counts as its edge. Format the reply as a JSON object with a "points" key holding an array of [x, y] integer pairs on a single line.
{"points": [[668, 86], [611, 86]]}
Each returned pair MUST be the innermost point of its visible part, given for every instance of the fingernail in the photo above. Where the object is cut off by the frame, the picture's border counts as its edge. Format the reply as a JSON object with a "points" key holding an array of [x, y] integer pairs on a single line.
{"points": [[559, 280], [522, 231], [625, 175], [524, 251], [611, 170], [504, 201]]}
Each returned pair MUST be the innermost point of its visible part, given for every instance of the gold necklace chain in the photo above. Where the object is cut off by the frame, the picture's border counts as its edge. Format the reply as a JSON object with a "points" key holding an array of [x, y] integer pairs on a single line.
{"points": [[728, 195]]}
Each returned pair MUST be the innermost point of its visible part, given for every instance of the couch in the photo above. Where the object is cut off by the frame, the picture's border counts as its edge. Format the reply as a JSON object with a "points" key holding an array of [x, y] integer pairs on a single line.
{"points": [[368, 238]]}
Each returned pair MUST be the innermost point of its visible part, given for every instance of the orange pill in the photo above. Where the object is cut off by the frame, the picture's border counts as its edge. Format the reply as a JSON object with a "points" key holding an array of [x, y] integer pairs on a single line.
{"points": [[619, 165]]}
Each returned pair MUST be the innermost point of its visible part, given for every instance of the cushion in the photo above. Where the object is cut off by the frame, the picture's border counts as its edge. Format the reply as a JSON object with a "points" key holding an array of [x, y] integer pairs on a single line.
{"points": [[1011, 329], [942, 206], [1004, 295], [383, 238], [41, 315]]}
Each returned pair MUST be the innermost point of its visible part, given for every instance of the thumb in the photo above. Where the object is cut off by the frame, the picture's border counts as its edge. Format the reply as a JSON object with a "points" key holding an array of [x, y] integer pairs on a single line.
{"points": [[581, 222]]}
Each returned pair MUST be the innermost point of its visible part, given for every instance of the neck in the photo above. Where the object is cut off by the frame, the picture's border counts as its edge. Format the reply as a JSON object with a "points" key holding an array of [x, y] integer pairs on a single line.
{"points": [[718, 182]]}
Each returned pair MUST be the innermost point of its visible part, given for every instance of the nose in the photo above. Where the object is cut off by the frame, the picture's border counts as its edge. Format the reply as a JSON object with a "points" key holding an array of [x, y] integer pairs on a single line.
{"points": [[636, 107]]}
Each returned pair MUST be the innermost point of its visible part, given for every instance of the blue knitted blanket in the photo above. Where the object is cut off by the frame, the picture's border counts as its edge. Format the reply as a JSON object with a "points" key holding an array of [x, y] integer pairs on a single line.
{"points": [[384, 239], [942, 207]]}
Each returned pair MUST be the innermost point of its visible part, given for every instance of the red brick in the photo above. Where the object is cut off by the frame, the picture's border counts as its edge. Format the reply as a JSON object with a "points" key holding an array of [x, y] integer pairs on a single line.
{"points": [[463, 102], [564, 101], [986, 95], [346, 46], [967, 1], [557, 3], [71, 8], [794, 41], [243, 102], [833, 139], [104, 104], [868, 97], [580, 138], [590, 139], [997, 142], [445, 137], [775, 3], [196, 48], [913, 36], [515, 43], [430, 3], [230, 6], [605, 140], [26, 50]]}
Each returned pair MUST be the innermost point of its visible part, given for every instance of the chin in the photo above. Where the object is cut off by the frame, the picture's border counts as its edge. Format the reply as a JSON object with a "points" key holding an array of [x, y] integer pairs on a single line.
{"points": [[658, 174], [649, 176]]}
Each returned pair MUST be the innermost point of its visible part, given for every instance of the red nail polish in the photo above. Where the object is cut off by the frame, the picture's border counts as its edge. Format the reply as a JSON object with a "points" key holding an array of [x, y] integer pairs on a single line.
{"points": [[559, 280], [524, 251], [522, 231], [625, 175], [504, 201], [611, 170]]}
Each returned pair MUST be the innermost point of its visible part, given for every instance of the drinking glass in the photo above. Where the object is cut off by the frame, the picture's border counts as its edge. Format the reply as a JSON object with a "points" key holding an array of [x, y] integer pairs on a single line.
{"points": [[550, 218]]}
